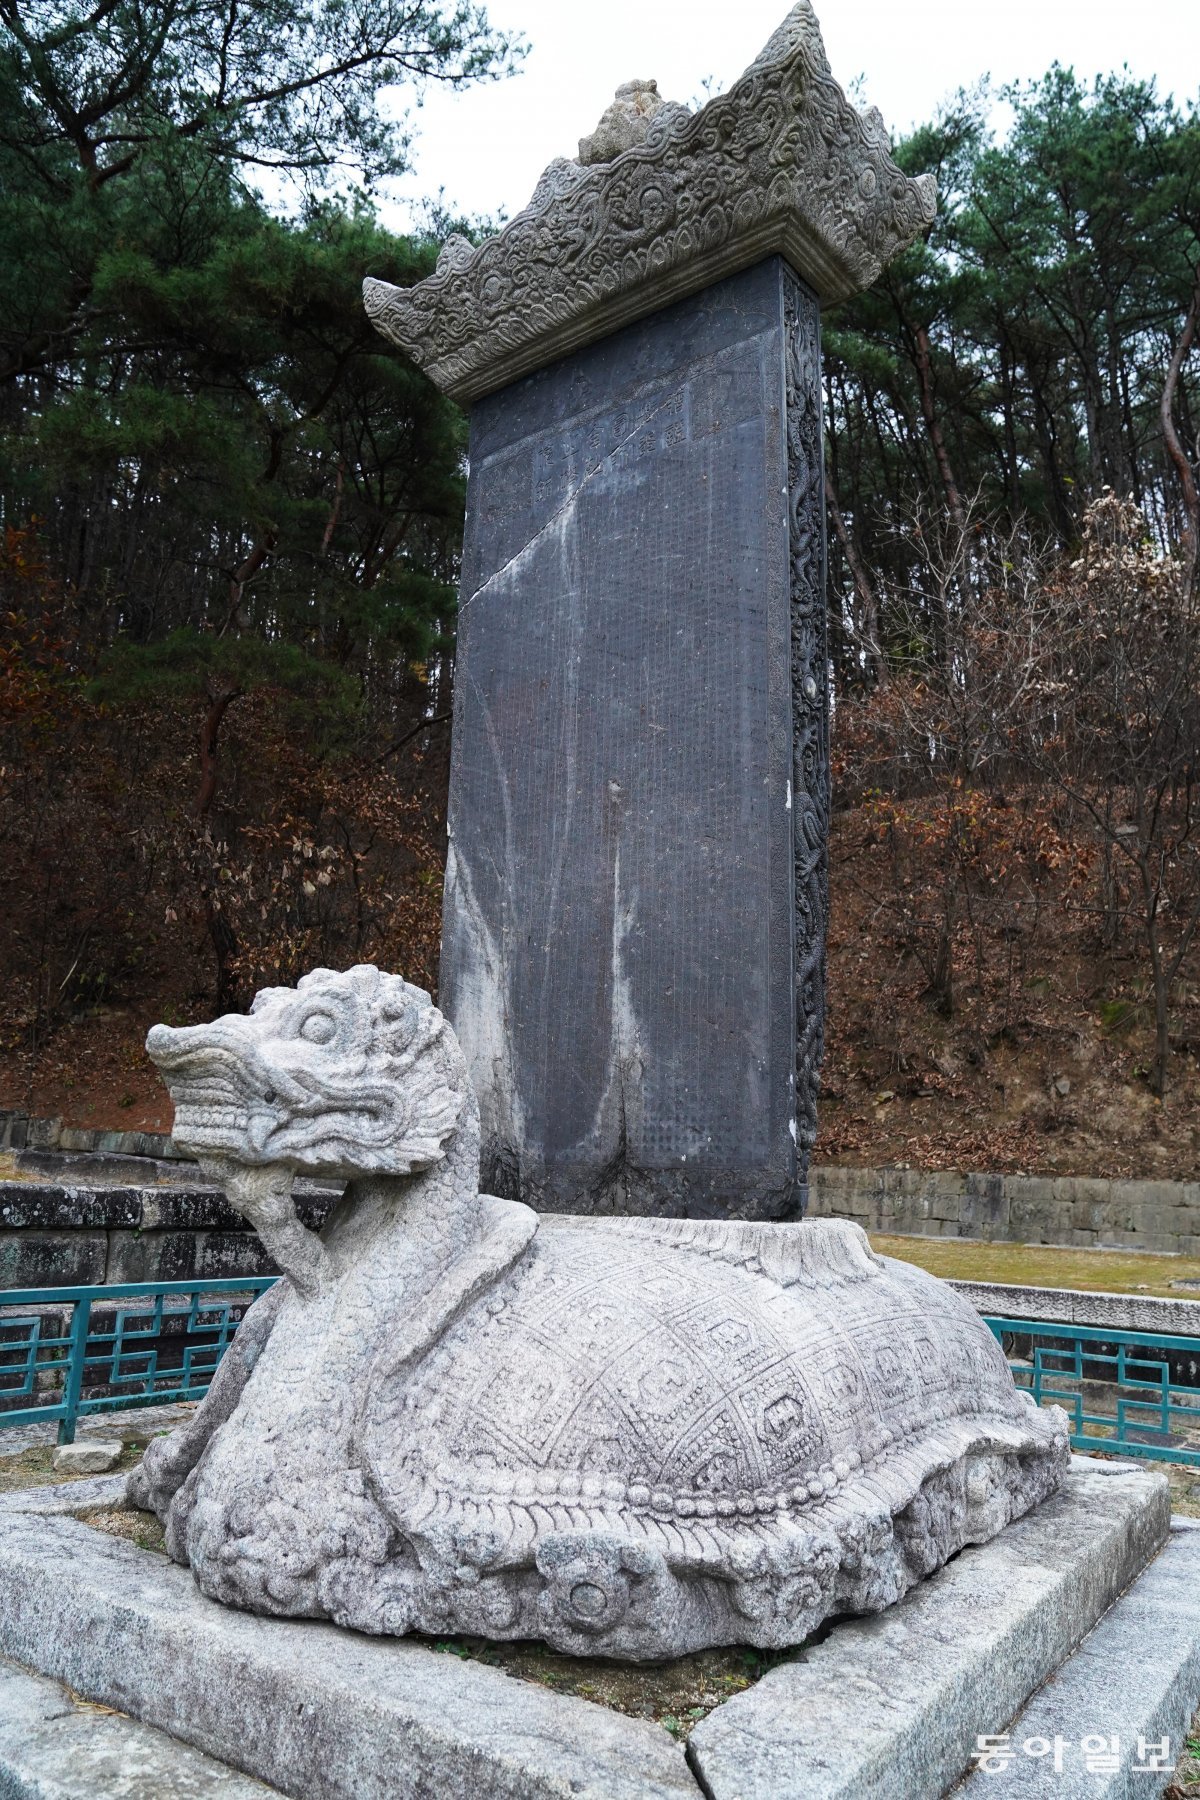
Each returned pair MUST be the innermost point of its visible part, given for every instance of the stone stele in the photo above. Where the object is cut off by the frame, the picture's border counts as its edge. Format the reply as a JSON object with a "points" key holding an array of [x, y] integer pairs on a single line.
{"points": [[633, 943], [626, 1436]]}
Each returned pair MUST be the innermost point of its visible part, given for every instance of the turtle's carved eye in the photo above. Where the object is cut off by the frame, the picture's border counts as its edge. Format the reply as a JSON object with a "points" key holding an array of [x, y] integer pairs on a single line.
{"points": [[318, 1028]]}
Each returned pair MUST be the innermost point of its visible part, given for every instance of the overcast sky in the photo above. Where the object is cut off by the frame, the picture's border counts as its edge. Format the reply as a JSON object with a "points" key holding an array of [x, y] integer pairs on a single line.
{"points": [[487, 146]]}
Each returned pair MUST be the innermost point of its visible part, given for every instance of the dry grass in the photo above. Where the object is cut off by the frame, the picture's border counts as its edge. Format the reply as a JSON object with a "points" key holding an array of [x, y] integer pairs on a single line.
{"points": [[34, 1468], [1042, 1265]]}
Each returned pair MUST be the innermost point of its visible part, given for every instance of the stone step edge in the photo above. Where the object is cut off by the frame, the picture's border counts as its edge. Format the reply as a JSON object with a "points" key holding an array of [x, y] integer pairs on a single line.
{"points": [[1136, 1676], [1152, 1313], [892, 1705], [322, 1713], [54, 1746]]}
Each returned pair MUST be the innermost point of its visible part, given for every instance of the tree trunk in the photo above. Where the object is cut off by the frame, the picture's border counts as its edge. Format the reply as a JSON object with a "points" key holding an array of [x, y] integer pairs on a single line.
{"points": [[223, 939], [1012, 464], [1043, 416], [1161, 979], [1162, 1033], [1190, 540], [210, 732], [1110, 889], [941, 986], [221, 934], [867, 632], [933, 426]]}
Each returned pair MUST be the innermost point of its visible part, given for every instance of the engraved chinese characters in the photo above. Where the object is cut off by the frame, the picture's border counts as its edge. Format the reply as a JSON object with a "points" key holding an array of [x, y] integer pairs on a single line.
{"points": [[621, 939]]}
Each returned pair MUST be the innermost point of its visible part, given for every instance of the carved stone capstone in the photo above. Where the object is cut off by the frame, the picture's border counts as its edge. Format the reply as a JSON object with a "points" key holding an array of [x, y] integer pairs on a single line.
{"points": [[628, 1437], [665, 202]]}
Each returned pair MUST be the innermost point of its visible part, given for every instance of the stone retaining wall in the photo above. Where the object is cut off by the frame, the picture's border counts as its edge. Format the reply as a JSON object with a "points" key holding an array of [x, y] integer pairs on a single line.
{"points": [[18, 1131], [1070, 1210], [58, 1236]]}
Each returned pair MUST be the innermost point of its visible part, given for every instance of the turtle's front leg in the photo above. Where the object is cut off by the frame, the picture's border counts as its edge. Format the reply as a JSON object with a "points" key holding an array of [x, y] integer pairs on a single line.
{"points": [[264, 1196], [169, 1461]]}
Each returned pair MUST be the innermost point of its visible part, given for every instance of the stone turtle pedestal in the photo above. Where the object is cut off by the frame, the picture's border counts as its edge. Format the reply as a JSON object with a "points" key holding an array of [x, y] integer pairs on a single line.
{"points": [[634, 933]]}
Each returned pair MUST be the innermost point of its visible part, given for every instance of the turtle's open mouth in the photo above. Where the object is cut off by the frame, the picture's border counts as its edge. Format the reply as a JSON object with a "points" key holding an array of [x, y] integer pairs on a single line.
{"points": [[313, 1083], [226, 1097], [229, 1098]]}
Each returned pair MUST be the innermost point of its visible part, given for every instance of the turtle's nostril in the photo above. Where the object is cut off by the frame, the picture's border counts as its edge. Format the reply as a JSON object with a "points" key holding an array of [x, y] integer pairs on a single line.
{"points": [[268, 1098]]}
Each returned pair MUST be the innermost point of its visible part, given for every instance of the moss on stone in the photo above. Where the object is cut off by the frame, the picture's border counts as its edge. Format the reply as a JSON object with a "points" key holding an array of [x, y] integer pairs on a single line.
{"points": [[675, 1694]]}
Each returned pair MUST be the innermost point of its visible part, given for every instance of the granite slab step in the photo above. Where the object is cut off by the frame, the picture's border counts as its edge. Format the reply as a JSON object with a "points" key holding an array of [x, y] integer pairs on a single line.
{"points": [[890, 1706], [1135, 1679], [56, 1747]]}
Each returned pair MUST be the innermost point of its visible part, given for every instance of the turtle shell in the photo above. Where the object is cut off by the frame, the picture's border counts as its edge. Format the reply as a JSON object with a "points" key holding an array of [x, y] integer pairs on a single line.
{"points": [[669, 1378]]}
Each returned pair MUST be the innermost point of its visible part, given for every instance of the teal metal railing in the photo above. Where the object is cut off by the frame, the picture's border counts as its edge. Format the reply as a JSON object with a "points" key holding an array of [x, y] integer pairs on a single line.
{"points": [[1115, 1386], [78, 1350], [69, 1352]]}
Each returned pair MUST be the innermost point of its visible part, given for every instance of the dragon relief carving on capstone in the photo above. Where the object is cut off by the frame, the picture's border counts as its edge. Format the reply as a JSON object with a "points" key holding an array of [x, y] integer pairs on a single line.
{"points": [[662, 203], [628, 1437]]}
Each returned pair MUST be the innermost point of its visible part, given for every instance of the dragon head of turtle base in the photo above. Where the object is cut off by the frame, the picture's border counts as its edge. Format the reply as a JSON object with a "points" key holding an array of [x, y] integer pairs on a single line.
{"points": [[343, 1075]]}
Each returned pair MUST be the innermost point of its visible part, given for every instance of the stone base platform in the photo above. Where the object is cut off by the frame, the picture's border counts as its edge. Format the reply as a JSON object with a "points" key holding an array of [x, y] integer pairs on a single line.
{"points": [[1135, 1679], [891, 1705]]}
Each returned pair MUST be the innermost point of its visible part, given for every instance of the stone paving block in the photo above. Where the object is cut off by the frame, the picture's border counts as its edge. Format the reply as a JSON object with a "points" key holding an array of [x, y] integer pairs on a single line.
{"points": [[892, 1706], [88, 1456], [53, 1747]]}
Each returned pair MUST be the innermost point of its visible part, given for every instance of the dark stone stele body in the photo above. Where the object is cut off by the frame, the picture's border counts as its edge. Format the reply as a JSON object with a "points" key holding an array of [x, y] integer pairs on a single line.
{"points": [[636, 888]]}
